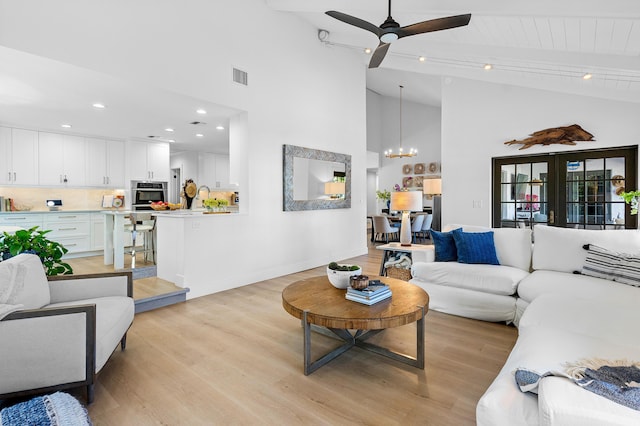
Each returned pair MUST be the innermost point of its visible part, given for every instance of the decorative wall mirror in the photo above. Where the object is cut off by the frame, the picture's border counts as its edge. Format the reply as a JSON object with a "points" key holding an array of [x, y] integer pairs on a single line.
{"points": [[315, 179]]}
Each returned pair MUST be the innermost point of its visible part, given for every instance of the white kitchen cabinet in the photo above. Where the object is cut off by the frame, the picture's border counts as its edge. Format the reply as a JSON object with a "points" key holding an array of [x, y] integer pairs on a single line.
{"points": [[148, 161], [97, 231], [213, 170], [61, 160], [104, 163], [18, 156], [23, 220], [222, 171], [72, 230]]}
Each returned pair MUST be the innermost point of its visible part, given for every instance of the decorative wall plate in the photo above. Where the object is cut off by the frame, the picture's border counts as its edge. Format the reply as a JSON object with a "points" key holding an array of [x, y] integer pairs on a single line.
{"points": [[407, 182], [617, 181], [433, 167], [419, 168], [417, 181], [406, 169]]}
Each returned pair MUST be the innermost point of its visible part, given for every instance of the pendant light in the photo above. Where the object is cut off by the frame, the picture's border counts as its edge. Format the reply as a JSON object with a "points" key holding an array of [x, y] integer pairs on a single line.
{"points": [[412, 152]]}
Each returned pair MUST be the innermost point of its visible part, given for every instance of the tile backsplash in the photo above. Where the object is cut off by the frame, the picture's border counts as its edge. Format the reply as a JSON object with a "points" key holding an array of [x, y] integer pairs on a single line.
{"points": [[72, 199]]}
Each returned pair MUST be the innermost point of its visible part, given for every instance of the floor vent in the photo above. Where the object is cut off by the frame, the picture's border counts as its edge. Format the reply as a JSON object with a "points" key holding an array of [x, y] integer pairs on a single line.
{"points": [[240, 76]]}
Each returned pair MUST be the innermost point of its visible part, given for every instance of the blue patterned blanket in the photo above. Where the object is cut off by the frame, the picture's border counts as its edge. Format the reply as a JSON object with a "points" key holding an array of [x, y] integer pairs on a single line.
{"points": [[618, 380], [58, 409]]}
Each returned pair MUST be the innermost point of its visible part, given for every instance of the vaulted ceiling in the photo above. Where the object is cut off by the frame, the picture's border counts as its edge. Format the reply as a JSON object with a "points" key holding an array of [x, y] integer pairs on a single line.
{"points": [[545, 44]]}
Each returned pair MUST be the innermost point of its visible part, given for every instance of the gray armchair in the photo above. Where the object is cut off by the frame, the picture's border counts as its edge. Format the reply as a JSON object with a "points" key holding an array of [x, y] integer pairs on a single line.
{"points": [[62, 330]]}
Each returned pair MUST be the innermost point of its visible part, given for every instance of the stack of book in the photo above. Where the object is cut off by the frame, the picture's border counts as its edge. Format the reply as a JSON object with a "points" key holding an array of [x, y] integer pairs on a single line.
{"points": [[372, 294], [6, 204]]}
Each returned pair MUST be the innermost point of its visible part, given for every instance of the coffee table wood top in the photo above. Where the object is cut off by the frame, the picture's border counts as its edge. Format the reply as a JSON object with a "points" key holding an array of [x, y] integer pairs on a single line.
{"points": [[327, 306]]}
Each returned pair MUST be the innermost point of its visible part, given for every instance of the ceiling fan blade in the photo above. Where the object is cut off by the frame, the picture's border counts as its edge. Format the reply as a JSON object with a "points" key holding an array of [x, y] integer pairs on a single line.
{"points": [[379, 54], [434, 25], [356, 22]]}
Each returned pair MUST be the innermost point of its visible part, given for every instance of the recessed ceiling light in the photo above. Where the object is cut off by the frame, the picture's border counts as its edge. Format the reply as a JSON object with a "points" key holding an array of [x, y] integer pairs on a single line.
{"points": [[99, 106], [201, 111], [587, 76], [488, 67], [168, 129], [199, 135], [172, 140], [66, 126], [367, 50], [219, 127], [422, 59]]}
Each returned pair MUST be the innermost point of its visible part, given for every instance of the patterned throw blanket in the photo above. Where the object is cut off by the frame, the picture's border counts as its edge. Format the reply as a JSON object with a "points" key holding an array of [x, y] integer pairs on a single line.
{"points": [[58, 409], [617, 380]]}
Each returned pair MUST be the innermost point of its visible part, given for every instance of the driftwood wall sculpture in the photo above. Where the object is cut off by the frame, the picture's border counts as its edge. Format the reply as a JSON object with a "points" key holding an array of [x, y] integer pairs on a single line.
{"points": [[557, 135]]}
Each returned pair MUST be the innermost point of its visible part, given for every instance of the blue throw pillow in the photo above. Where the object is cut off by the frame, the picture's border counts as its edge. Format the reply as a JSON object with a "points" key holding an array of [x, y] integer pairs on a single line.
{"points": [[445, 246], [475, 247]]}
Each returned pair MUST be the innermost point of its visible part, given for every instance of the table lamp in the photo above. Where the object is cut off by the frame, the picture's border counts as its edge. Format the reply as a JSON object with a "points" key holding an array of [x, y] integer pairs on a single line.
{"points": [[334, 189], [432, 187], [406, 202]]}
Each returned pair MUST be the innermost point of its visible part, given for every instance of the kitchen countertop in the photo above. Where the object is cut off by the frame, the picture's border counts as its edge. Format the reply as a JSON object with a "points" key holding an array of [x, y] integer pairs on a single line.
{"points": [[58, 211]]}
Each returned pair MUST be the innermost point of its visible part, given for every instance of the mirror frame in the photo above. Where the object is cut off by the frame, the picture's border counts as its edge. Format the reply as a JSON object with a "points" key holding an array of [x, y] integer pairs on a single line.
{"points": [[288, 203]]}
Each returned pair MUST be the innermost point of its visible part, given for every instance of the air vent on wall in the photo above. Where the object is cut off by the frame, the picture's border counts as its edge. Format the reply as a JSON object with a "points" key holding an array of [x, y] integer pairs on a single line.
{"points": [[240, 76], [198, 123]]}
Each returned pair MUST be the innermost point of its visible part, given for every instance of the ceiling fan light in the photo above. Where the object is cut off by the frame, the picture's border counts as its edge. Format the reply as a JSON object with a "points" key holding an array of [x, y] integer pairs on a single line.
{"points": [[388, 37]]}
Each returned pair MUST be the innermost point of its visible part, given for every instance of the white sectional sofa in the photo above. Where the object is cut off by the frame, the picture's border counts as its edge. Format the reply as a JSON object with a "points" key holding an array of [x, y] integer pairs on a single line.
{"points": [[562, 317], [484, 292]]}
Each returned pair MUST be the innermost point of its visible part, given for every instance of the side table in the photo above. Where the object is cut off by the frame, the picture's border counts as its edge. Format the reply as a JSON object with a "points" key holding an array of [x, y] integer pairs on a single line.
{"points": [[416, 252]]}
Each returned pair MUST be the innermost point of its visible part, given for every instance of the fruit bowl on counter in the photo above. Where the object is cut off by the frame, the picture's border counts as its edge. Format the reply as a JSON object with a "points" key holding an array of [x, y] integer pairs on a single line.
{"points": [[161, 205]]}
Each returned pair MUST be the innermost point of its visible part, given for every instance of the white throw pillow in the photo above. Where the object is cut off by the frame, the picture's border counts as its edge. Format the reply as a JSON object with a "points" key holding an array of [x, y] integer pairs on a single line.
{"points": [[23, 282], [560, 249]]}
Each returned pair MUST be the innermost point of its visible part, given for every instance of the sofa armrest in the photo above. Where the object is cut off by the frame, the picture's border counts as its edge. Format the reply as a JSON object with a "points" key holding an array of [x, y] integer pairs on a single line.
{"points": [[43, 349], [425, 255], [67, 288]]}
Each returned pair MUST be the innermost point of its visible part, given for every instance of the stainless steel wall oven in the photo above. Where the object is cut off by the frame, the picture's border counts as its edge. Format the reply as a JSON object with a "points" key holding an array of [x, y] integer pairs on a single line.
{"points": [[144, 193]]}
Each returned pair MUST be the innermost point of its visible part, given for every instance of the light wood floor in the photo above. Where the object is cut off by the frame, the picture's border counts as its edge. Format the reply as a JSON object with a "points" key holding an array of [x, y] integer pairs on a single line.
{"points": [[235, 357], [142, 288]]}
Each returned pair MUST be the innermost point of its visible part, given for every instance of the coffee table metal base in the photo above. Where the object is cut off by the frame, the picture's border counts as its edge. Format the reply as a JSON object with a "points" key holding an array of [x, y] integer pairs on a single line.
{"points": [[359, 339]]}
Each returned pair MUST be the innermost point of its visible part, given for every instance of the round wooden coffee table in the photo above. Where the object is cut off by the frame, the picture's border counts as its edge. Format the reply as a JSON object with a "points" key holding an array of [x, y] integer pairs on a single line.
{"points": [[316, 302]]}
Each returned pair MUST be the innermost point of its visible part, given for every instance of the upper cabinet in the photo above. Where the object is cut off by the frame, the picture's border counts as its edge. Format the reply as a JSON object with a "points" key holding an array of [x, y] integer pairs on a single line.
{"points": [[61, 160], [148, 161], [213, 170], [18, 156], [105, 163]]}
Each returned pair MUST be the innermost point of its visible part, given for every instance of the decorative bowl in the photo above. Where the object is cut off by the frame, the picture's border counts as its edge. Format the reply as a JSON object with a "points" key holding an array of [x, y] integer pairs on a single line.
{"points": [[340, 279], [159, 208], [359, 282]]}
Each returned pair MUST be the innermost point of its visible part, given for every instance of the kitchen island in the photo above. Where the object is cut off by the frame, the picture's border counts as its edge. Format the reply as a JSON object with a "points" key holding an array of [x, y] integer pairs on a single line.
{"points": [[193, 252]]}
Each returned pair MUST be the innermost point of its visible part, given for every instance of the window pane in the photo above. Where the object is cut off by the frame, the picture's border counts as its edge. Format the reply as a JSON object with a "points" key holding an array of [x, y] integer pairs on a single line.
{"points": [[575, 169], [575, 191], [507, 172], [508, 211]]}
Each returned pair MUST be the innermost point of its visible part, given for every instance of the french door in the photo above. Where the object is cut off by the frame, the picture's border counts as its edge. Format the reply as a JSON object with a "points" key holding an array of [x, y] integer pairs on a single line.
{"points": [[578, 189]]}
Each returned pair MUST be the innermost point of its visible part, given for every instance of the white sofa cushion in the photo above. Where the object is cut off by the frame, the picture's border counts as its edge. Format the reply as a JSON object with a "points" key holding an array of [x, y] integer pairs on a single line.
{"points": [[114, 315], [574, 285], [494, 279], [560, 249], [23, 276], [562, 403]]}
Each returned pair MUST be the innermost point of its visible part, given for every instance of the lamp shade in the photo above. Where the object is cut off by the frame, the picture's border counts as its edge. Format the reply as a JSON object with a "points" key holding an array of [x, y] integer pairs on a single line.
{"points": [[432, 186], [406, 201], [331, 188]]}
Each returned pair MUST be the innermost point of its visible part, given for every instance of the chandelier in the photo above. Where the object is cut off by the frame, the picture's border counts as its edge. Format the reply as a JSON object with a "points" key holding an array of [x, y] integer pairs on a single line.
{"points": [[412, 152]]}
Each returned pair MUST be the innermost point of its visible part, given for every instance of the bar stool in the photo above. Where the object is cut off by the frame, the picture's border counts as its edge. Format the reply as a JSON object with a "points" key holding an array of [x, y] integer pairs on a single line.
{"points": [[141, 224]]}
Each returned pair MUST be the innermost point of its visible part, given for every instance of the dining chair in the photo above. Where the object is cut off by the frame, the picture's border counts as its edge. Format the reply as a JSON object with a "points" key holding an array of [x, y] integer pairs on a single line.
{"points": [[425, 233], [382, 226], [416, 227]]}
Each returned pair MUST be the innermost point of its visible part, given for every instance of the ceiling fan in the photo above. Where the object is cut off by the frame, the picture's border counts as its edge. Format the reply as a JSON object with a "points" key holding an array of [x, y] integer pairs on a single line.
{"points": [[390, 30]]}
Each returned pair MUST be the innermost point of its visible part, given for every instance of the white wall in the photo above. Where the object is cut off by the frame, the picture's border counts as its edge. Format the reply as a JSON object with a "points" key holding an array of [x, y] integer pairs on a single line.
{"points": [[420, 130], [299, 93], [477, 118], [187, 162]]}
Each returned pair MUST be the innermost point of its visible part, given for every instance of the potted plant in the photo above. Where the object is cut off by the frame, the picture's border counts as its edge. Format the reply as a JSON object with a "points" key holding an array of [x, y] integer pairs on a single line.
{"points": [[339, 274], [384, 196], [34, 241], [631, 198]]}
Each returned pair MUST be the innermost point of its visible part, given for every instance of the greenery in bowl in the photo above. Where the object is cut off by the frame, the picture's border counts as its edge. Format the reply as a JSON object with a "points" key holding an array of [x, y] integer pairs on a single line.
{"points": [[34, 241], [631, 198], [214, 202], [334, 266]]}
